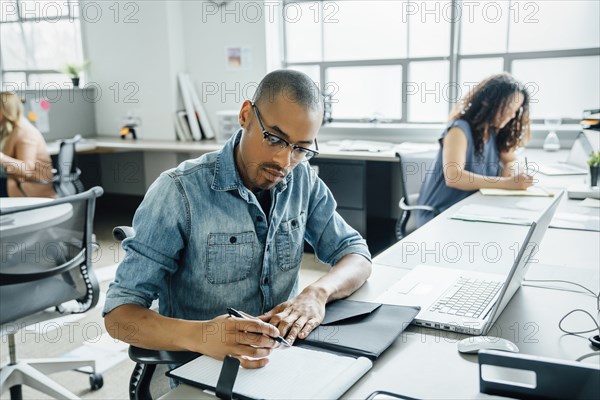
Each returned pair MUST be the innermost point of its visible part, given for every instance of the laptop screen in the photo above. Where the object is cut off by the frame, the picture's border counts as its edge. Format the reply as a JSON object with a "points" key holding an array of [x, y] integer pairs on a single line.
{"points": [[531, 245], [580, 151]]}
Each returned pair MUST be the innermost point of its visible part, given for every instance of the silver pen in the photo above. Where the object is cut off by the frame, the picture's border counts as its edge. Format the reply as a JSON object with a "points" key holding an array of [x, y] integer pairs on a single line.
{"points": [[235, 313]]}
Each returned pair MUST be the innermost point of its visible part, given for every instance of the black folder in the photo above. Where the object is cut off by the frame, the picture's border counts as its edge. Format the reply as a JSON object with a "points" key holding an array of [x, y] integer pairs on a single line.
{"points": [[360, 329]]}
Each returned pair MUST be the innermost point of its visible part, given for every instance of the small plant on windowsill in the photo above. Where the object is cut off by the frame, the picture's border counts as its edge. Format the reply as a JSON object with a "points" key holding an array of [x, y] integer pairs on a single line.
{"points": [[74, 71], [594, 163]]}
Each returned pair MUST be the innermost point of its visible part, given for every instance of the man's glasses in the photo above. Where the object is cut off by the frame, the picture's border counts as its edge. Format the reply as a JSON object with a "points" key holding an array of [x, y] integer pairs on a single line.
{"points": [[277, 144]]}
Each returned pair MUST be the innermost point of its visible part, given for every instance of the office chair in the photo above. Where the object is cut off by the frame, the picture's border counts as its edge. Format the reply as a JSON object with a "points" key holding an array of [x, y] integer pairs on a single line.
{"points": [[413, 170], [147, 360], [46, 264], [66, 175]]}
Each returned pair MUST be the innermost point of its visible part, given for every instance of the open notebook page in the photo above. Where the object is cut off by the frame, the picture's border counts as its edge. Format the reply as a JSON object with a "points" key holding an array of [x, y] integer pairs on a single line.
{"points": [[292, 373]]}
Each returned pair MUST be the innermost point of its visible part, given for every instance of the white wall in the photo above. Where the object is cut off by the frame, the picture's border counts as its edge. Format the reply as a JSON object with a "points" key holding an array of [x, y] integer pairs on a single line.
{"points": [[135, 50], [208, 30]]}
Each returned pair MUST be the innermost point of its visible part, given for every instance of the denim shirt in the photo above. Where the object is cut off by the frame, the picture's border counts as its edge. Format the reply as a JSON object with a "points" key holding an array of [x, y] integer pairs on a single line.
{"points": [[202, 242]]}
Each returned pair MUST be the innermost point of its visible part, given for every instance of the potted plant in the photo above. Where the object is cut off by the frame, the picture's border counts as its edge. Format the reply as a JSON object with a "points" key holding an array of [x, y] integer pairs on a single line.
{"points": [[74, 71], [594, 163]]}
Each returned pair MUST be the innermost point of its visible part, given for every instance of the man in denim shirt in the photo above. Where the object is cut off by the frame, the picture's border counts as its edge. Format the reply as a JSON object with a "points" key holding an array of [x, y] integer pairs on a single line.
{"points": [[227, 230]]}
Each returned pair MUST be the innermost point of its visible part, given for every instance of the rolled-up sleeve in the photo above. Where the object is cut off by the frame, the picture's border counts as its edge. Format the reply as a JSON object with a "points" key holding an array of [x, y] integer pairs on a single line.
{"points": [[327, 232], [161, 226]]}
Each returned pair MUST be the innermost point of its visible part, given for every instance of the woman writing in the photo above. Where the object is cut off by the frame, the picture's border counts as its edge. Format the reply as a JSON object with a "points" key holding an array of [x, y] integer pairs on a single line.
{"points": [[24, 157], [477, 149]]}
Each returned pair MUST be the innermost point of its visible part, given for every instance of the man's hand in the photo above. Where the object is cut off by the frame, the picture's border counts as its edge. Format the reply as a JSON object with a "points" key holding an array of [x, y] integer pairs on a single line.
{"points": [[299, 316], [246, 340]]}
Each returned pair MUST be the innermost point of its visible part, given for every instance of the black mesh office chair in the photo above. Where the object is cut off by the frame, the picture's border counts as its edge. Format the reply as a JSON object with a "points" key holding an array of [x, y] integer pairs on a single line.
{"points": [[147, 360], [46, 264], [66, 175], [413, 170]]}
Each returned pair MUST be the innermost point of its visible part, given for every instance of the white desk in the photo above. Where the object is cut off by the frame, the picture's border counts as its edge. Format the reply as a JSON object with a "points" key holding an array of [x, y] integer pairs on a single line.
{"points": [[424, 363], [15, 224]]}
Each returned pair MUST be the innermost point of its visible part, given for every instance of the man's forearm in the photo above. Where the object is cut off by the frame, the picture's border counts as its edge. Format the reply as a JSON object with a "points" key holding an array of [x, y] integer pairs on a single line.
{"points": [[147, 329], [250, 340], [347, 276]]}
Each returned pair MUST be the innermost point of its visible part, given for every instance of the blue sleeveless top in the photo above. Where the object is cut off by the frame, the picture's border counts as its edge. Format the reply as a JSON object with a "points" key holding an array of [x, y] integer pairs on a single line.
{"points": [[434, 191]]}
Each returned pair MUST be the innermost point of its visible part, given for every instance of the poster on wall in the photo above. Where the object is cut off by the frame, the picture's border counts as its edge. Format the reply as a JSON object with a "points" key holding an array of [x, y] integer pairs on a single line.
{"points": [[238, 58], [39, 110]]}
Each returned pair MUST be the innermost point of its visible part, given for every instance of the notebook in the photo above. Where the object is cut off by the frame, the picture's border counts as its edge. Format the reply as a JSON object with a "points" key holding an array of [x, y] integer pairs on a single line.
{"points": [[324, 365], [467, 301], [360, 329], [292, 373], [576, 161]]}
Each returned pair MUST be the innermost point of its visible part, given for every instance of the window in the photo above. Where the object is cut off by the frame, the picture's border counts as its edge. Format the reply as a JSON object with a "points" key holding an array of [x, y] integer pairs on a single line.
{"points": [[38, 39], [410, 61]]}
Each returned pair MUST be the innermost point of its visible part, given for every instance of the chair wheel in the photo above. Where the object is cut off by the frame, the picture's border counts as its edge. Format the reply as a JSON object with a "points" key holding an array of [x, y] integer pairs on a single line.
{"points": [[96, 381]]}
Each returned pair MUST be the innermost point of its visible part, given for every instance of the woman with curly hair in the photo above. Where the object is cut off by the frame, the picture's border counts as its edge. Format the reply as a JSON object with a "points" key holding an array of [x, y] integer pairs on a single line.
{"points": [[24, 157], [477, 149]]}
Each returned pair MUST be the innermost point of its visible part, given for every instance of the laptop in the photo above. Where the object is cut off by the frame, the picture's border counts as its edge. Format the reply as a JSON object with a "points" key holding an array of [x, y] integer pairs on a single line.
{"points": [[576, 163], [466, 301]]}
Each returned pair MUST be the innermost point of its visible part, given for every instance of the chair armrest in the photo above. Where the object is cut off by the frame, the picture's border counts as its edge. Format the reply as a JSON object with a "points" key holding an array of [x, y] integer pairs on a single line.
{"points": [[22, 277], [121, 233], [145, 356], [405, 207]]}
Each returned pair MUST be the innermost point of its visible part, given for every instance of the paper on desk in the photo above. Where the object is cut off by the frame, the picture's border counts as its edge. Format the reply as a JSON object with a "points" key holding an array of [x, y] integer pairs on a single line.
{"points": [[576, 221], [534, 191], [364, 145], [292, 373], [589, 202], [484, 213], [411, 147]]}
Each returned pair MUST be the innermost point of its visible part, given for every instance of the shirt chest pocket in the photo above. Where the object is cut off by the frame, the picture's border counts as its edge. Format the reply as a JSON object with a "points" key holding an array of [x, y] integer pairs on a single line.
{"points": [[289, 242], [229, 256]]}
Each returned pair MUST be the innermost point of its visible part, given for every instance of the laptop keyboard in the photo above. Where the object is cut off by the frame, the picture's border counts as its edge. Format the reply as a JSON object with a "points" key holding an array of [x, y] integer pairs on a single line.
{"points": [[468, 297]]}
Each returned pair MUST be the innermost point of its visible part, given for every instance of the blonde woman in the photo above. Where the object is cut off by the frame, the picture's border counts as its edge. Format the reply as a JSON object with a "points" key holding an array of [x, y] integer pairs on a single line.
{"points": [[24, 157]]}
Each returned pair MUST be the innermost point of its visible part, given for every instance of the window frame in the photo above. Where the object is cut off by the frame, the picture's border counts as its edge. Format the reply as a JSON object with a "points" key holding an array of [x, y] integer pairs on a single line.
{"points": [[454, 59], [73, 5]]}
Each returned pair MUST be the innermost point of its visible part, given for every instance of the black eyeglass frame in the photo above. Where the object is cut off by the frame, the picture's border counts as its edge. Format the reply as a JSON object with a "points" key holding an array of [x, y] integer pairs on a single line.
{"points": [[308, 153]]}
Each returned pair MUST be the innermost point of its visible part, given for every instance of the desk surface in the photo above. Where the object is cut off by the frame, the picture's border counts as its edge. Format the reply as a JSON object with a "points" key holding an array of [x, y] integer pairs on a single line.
{"points": [[14, 224], [102, 144], [424, 363]]}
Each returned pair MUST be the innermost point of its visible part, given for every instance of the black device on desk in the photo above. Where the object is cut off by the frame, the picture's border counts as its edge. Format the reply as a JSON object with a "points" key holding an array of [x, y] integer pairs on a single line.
{"points": [[526, 376]]}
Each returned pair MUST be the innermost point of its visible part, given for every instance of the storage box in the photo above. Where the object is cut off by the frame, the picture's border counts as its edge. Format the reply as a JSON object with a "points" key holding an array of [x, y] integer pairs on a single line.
{"points": [[228, 124]]}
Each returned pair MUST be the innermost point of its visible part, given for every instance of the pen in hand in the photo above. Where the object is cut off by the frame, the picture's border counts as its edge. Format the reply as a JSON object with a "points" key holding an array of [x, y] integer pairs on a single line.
{"points": [[235, 313]]}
